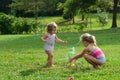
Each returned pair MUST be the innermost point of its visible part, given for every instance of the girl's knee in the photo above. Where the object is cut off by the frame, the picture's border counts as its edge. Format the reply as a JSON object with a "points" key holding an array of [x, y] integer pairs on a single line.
{"points": [[51, 55], [85, 55]]}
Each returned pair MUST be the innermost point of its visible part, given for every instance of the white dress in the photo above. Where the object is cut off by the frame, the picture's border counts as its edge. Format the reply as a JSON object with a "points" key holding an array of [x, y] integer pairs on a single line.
{"points": [[49, 45]]}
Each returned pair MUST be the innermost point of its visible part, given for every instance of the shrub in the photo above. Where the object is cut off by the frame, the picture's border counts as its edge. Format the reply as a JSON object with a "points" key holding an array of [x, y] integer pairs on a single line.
{"points": [[12, 25], [80, 26], [6, 23], [102, 17], [20, 25], [24, 25]]}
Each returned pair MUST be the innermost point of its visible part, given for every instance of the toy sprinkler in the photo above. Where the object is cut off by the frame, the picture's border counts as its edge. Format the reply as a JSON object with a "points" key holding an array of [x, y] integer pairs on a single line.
{"points": [[71, 53]]}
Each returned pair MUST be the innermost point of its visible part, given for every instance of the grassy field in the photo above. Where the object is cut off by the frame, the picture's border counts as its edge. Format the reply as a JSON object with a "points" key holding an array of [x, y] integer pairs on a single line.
{"points": [[22, 57]]}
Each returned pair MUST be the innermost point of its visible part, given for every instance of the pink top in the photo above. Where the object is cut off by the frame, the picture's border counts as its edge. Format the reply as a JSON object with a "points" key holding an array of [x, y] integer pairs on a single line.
{"points": [[98, 54]]}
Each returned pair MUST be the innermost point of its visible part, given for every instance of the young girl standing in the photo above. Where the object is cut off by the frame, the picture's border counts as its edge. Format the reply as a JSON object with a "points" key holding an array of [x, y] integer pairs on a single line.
{"points": [[49, 39], [92, 53]]}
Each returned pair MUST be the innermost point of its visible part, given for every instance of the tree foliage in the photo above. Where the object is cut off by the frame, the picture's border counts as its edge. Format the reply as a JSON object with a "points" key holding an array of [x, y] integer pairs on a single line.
{"points": [[105, 4], [71, 7], [28, 6], [6, 23], [4, 6], [42, 7]]}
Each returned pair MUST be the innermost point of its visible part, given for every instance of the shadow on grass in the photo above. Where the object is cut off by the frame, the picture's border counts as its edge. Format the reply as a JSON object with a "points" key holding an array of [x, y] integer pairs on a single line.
{"points": [[29, 72], [33, 70], [64, 69]]}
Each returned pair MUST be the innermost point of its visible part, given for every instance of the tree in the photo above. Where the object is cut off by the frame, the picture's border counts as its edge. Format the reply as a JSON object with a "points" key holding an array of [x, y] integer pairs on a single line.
{"points": [[28, 6], [104, 5], [85, 6], [36, 7], [114, 20], [4, 6], [71, 7], [50, 7]]}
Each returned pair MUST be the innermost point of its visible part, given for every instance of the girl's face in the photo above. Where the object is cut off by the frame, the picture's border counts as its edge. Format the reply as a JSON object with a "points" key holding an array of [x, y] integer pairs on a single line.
{"points": [[85, 43], [54, 30]]}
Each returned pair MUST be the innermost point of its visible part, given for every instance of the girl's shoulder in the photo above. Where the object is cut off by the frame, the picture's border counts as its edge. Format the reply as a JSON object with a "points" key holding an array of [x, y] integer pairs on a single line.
{"points": [[46, 34], [54, 34], [91, 47]]}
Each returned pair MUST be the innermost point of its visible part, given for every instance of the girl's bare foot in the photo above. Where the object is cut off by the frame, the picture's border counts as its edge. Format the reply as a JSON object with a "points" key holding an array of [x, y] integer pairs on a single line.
{"points": [[51, 65]]}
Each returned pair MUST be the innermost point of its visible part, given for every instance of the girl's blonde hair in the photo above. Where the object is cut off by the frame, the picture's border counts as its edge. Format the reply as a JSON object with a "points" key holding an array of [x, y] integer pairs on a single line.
{"points": [[50, 26], [88, 37]]}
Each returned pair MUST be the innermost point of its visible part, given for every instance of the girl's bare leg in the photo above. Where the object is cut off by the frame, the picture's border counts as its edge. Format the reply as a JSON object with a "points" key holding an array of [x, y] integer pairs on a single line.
{"points": [[50, 56], [93, 61]]}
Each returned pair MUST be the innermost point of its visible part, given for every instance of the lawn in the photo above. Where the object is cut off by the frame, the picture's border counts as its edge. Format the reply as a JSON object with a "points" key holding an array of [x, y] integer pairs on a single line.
{"points": [[22, 57]]}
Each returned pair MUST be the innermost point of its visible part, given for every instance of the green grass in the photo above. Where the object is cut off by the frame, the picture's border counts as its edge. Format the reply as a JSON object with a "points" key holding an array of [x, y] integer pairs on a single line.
{"points": [[22, 57]]}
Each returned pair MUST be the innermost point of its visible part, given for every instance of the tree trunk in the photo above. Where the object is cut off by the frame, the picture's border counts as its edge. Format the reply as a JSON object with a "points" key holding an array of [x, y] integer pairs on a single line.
{"points": [[83, 17], [114, 20], [73, 18]]}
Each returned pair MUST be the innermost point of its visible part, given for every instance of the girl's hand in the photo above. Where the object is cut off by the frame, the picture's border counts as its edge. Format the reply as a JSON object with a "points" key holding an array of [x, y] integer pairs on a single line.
{"points": [[44, 41], [64, 41], [71, 60]]}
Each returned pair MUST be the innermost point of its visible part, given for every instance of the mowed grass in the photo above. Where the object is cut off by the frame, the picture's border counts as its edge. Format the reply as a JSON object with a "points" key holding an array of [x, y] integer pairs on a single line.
{"points": [[22, 57]]}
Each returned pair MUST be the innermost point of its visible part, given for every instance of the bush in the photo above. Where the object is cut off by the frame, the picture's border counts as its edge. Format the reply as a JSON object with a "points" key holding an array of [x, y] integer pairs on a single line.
{"points": [[12, 25], [24, 25], [102, 17], [19, 26], [80, 26], [6, 23]]}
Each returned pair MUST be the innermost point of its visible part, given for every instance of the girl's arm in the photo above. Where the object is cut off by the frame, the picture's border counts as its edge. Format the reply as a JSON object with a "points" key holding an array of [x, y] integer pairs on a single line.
{"points": [[44, 38], [59, 40], [79, 55]]}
